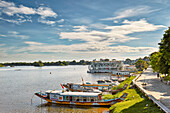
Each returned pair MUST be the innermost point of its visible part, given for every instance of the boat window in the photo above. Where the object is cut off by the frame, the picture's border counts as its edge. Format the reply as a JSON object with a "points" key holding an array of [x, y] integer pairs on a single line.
{"points": [[88, 99], [92, 99], [84, 99], [95, 99], [81, 98], [78, 99], [74, 98], [67, 97]]}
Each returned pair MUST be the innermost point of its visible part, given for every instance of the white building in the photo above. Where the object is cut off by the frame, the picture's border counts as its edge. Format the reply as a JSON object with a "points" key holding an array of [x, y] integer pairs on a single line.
{"points": [[106, 66]]}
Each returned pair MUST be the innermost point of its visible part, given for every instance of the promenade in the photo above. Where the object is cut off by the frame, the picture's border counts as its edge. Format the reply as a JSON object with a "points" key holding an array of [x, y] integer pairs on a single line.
{"points": [[155, 87]]}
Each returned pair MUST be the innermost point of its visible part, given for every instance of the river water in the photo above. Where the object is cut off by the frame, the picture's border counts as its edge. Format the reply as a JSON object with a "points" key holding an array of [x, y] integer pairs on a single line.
{"points": [[18, 85]]}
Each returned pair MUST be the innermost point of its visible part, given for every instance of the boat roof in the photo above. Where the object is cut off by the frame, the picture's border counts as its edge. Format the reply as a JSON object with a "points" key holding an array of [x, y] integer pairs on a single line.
{"points": [[53, 91], [79, 94], [87, 84], [72, 93]]}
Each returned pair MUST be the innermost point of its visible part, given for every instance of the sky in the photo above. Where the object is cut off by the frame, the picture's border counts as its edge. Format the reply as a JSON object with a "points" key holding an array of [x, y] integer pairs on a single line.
{"points": [[53, 30]]}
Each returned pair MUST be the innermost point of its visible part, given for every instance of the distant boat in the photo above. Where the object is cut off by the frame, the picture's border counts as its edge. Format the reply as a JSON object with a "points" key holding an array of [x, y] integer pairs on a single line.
{"points": [[77, 87], [78, 98], [17, 69]]}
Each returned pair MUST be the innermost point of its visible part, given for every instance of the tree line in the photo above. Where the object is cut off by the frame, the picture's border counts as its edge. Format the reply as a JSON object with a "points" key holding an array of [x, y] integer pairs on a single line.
{"points": [[40, 63], [140, 64], [160, 61]]}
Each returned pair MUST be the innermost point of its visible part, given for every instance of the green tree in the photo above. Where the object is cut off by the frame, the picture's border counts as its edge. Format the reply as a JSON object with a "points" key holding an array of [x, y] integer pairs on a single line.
{"points": [[1, 65], [39, 63], [164, 49], [155, 61], [141, 64], [128, 61]]}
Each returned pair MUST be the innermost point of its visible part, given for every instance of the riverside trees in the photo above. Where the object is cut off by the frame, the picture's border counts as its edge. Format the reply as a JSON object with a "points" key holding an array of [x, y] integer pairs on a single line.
{"points": [[160, 61]]}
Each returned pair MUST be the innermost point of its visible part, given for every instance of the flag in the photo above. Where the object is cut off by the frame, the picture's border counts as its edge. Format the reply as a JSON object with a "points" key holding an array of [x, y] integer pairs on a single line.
{"points": [[62, 86], [82, 79]]}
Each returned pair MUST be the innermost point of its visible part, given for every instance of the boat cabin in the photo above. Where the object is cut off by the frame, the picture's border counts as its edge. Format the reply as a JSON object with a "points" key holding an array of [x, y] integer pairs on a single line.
{"points": [[87, 87], [73, 96]]}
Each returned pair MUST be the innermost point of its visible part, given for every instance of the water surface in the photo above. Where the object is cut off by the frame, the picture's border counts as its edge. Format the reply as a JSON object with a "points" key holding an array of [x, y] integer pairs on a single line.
{"points": [[18, 85]]}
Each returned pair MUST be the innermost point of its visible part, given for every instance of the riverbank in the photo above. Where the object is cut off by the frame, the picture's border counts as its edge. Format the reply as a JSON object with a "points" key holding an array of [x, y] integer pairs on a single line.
{"points": [[159, 90], [136, 102]]}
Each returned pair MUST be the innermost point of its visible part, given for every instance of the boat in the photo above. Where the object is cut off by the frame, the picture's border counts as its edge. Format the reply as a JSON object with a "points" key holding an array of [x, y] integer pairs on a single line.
{"points": [[77, 87], [105, 66], [118, 90], [78, 98]]}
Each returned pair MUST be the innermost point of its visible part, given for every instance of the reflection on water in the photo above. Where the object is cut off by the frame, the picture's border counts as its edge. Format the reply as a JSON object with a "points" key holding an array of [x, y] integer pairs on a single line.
{"points": [[18, 85], [48, 107]]}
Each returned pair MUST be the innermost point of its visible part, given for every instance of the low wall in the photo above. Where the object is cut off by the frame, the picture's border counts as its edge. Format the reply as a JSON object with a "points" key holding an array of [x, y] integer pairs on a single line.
{"points": [[155, 101]]}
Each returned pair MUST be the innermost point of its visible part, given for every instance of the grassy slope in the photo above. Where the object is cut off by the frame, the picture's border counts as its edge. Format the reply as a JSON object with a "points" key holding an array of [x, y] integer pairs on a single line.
{"points": [[127, 81], [136, 102], [167, 78]]}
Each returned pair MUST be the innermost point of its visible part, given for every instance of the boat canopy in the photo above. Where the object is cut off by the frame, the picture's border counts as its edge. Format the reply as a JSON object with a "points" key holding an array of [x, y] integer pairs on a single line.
{"points": [[84, 94], [53, 91]]}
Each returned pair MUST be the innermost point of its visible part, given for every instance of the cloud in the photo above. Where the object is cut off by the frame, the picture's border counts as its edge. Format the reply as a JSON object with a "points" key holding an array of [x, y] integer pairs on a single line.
{"points": [[46, 12], [60, 21], [97, 26], [115, 33], [17, 21], [82, 20], [80, 28], [44, 21], [10, 9], [2, 35], [125, 13], [2, 45], [99, 41], [17, 35], [35, 47], [33, 43], [134, 26]]}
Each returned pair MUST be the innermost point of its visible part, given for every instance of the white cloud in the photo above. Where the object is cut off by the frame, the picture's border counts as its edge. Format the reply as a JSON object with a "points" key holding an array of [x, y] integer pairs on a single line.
{"points": [[46, 12], [44, 21], [97, 26], [11, 9], [2, 35], [115, 21], [139, 10], [60, 21], [84, 48], [33, 43], [2, 45], [115, 33], [134, 26], [17, 35], [80, 28], [17, 21]]}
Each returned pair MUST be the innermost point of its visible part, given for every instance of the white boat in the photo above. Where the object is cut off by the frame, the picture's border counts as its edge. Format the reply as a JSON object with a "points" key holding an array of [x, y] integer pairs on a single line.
{"points": [[105, 66], [78, 98]]}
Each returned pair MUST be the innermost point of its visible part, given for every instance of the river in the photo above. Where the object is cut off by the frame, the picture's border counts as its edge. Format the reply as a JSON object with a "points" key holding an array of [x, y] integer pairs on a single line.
{"points": [[18, 85]]}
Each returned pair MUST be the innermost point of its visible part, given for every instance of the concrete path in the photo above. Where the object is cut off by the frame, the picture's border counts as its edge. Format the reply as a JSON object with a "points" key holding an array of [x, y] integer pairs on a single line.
{"points": [[155, 87]]}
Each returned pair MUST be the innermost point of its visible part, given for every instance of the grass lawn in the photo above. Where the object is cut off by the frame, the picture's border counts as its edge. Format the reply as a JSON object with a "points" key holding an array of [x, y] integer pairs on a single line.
{"points": [[127, 81], [167, 78], [136, 102]]}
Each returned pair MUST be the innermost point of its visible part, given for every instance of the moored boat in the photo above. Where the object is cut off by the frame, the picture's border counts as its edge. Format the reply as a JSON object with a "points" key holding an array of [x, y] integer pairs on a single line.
{"points": [[76, 87], [78, 98]]}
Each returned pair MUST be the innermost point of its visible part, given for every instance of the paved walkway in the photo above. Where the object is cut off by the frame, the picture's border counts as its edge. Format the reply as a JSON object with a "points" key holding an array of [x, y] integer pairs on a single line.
{"points": [[155, 87]]}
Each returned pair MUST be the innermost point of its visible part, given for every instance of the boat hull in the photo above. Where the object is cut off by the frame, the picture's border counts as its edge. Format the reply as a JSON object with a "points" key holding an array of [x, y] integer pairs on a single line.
{"points": [[107, 103]]}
